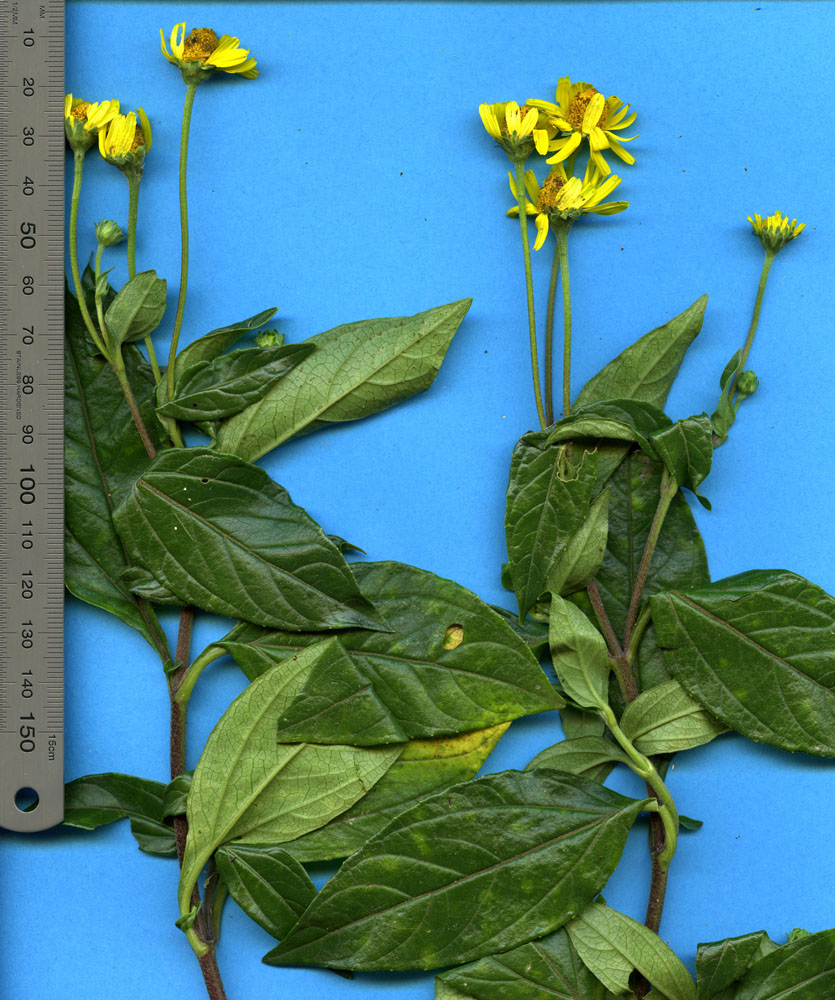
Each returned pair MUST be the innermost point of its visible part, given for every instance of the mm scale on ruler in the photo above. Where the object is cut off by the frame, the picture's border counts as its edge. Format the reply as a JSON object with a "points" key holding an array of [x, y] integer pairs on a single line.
{"points": [[31, 413]]}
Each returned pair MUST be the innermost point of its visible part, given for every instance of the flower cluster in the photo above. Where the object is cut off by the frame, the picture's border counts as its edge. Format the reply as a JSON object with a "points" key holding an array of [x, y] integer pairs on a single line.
{"points": [[557, 132]]}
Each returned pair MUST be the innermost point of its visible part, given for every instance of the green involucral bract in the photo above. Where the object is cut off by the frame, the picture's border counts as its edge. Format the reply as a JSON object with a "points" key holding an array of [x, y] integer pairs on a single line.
{"points": [[480, 868], [219, 534]]}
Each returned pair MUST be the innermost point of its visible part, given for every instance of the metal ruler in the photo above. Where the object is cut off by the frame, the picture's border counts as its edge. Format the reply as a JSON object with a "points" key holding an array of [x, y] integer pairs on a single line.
{"points": [[31, 413]]}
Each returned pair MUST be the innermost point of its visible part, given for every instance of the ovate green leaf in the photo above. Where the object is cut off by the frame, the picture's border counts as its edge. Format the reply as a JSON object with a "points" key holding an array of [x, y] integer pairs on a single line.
{"points": [[424, 767], [686, 449], [628, 420], [137, 309], [448, 665], [248, 788], [611, 945], [646, 370], [210, 390], [268, 884], [665, 719], [757, 650], [548, 969], [548, 498], [720, 965], [579, 561], [804, 969], [357, 369], [97, 799], [480, 868], [590, 756], [103, 455], [221, 535], [580, 656]]}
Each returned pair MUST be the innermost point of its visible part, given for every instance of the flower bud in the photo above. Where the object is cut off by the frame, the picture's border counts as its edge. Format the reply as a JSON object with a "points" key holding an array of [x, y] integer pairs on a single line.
{"points": [[269, 338], [747, 384], [109, 233]]}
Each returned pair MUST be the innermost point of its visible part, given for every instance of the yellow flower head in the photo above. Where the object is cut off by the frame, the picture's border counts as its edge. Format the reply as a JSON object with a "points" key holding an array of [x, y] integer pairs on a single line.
{"points": [[776, 231], [82, 120], [517, 130], [582, 112], [564, 199], [201, 53], [125, 141]]}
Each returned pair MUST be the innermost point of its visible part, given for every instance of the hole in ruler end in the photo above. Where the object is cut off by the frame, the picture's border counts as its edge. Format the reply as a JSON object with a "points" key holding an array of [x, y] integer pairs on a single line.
{"points": [[26, 799]]}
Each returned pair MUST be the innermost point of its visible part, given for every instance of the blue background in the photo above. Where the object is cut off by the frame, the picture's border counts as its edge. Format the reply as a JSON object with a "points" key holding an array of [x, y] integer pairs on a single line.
{"points": [[353, 179]]}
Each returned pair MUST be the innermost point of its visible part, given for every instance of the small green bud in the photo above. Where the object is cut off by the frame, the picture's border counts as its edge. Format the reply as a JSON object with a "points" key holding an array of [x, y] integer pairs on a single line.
{"points": [[109, 233], [748, 383], [269, 338], [797, 934]]}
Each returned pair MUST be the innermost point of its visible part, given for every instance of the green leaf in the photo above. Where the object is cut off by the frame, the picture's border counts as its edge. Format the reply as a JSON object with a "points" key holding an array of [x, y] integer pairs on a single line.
{"points": [[424, 768], [801, 970], [547, 500], [548, 969], [580, 656], [534, 634], [98, 799], [143, 584], [358, 369], [176, 794], [137, 309], [686, 449], [103, 455], [480, 868], [250, 789], [647, 369], [615, 419], [211, 390], [720, 965], [725, 414], [338, 703], [590, 756], [612, 945], [211, 345], [268, 884], [444, 991], [577, 723], [665, 719], [431, 687], [679, 560], [218, 533], [757, 649], [578, 563]]}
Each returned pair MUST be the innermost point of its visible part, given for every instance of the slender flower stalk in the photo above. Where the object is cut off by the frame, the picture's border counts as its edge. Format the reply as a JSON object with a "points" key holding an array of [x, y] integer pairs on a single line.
{"points": [[191, 90], [78, 163], [526, 254], [548, 380], [563, 229]]}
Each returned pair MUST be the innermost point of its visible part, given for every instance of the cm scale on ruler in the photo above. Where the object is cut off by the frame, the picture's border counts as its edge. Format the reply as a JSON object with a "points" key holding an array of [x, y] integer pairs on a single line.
{"points": [[31, 413]]}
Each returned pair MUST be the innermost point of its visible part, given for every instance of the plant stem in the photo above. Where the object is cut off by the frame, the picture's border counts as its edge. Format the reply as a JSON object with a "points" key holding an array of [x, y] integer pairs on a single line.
{"points": [[549, 338], [669, 488], [755, 319], [644, 768], [562, 245], [526, 252], [189, 679], [122, 376], [78, 170], [191, 90], [134, 180], [621, 665]]}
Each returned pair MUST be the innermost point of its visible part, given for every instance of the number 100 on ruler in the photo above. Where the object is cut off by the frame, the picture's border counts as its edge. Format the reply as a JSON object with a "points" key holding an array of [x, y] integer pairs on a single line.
{"points": [[31, 413]]}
